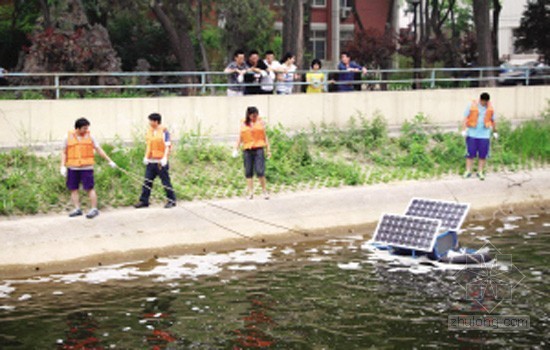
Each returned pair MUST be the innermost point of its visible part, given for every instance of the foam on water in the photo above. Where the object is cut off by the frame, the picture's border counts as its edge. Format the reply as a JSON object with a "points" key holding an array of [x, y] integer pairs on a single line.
{"points": [[168, 269], [350, 266], [5, 290]]}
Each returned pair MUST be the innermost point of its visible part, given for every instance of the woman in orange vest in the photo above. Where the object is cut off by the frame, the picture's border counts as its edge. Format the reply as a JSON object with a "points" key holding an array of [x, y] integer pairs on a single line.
{"points": [[253, 140], [77, 165], [156, 161]]}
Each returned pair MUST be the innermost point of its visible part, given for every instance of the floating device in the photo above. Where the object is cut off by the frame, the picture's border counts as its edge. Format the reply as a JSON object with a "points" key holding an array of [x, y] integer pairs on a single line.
{"points": [[428, 228]]}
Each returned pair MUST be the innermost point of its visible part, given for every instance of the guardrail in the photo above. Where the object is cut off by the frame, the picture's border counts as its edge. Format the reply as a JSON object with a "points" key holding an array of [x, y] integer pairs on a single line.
{"points": [[214, 82]]}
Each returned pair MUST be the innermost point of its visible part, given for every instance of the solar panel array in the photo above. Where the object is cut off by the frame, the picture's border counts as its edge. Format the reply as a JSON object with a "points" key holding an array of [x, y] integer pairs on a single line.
{"points": [[409, 232], [451, 214]]}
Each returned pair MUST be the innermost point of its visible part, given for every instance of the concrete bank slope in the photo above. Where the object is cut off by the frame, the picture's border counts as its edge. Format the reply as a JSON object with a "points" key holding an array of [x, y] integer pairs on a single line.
{"points": [[58, 243]]}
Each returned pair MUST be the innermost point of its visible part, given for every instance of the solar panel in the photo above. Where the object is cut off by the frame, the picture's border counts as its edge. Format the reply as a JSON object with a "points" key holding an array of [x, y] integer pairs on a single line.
{"points": [[451, 214], [408, 232]]}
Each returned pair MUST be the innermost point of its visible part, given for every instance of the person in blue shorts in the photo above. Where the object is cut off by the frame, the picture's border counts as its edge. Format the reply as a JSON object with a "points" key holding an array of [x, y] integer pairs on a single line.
{"points": [[479, 123]]}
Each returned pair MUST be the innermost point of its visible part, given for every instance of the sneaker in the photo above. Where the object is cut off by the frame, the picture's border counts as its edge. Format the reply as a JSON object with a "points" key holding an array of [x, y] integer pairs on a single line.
{"points": [[481, 175], [141, 205], [250, 196], [170, 204], [467, 174], [92, 213], [266, 195], [75, 213]]}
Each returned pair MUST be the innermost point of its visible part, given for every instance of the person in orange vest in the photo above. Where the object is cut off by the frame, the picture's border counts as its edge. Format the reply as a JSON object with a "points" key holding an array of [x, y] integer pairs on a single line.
{"points": [[479, 123], [253, 140], [156, 161], [77, 165]]}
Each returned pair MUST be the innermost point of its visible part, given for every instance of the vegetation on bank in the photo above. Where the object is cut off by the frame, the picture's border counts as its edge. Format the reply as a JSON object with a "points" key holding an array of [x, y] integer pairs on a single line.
{"points": [[364, 153]]}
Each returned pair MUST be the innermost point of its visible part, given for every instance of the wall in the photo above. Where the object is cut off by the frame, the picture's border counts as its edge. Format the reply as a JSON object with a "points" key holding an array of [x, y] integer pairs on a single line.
{"points": [[510, 17], [47, 121]]}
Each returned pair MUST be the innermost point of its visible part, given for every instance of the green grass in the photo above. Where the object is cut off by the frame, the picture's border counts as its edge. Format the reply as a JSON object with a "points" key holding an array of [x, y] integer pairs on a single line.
{"points": [[363, 153]]}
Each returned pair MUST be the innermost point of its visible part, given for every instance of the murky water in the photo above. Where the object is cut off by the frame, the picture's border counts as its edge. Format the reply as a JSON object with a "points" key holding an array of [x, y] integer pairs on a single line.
{"points": [[334, 294]]}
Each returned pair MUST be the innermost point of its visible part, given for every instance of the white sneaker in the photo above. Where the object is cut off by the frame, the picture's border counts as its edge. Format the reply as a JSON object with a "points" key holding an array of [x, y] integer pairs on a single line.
{"points": [[92, 213]]}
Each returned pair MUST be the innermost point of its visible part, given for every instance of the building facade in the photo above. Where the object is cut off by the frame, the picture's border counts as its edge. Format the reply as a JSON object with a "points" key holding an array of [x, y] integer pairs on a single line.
{"points": [[333, 23]]}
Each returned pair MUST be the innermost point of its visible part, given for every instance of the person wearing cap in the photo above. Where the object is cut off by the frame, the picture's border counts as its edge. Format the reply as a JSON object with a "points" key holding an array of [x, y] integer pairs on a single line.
{"points": [[479, 123], [77, 165], [156, 162], [254, 143]]}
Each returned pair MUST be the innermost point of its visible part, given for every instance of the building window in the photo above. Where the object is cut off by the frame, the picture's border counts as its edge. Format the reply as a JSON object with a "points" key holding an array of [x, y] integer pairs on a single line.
{"points": [[346, 37], [319, 3], [345, 4], [318, 44]]}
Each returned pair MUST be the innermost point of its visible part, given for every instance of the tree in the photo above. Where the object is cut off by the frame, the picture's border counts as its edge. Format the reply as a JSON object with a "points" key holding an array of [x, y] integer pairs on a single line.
{"points": [[176, 19], [373, 48], [483, 34], [532, 33], [17, 21], [293, 29], [248, 25]]}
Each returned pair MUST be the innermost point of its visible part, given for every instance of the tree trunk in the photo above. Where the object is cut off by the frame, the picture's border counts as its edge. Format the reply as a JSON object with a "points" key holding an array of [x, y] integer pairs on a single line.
{"points": [[179, 38], [482, 23], [497, 7], [45, 13], [293, 29], [205, 63]]}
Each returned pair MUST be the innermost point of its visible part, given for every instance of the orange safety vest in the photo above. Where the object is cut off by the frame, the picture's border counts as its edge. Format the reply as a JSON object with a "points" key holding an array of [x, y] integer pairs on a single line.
{"points": [[80, 151], [155, 143], [253, 136], [471, 121]]}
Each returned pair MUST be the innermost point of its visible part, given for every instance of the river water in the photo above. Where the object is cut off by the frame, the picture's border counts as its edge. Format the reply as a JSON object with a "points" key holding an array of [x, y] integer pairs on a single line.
{"points": [[330, 294]]}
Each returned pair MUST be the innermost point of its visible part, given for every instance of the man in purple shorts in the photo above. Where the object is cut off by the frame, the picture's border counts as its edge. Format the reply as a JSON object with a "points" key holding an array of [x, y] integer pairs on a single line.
{"points": [[77, 164], [479, 123]]}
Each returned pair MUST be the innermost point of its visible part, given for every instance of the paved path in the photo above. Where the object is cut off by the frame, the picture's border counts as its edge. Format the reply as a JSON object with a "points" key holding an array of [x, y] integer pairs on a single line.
{"points": [[58, 243]]}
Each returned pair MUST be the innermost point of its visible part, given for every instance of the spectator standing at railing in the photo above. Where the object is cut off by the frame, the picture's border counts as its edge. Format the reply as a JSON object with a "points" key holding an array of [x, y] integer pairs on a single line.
{"points": [[3, 80], [268, 75], [236, 71], [315, 78], [286, 74], [256, 69], [350, 67]]}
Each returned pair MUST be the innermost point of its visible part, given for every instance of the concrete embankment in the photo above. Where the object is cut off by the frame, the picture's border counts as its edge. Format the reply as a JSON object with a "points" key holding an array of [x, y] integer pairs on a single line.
{"points": [[56, 243]]}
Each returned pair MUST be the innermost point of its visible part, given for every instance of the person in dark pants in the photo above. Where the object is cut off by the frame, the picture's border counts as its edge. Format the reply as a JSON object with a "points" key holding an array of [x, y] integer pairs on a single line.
{"points": [[156, 161], [253, 140]]}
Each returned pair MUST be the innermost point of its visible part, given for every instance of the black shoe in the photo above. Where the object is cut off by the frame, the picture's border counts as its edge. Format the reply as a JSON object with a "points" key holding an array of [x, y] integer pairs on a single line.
{"points": [[141, 205], [75, 213], [169, 205]]}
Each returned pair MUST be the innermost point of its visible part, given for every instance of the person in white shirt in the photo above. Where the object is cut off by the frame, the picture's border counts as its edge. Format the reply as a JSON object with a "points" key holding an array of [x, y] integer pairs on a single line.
{"points": [[269, 74], [286, 74]]}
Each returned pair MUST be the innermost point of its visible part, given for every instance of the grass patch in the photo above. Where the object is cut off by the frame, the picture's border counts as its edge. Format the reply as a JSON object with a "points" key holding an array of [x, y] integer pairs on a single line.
{"points": [[361, 154]]}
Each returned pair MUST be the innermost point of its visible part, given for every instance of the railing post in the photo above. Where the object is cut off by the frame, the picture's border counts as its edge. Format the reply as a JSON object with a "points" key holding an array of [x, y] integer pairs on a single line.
{"points": [[203, 83], [56, 82], [480, 81], [432, 83]]}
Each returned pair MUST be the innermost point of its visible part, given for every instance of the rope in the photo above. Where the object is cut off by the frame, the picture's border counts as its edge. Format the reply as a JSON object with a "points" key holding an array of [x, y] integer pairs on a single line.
{"points": [[141, 181]]}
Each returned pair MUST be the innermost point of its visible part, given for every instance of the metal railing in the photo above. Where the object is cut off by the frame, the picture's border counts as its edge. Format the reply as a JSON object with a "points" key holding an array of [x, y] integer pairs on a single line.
{"points": [[216, 82]]}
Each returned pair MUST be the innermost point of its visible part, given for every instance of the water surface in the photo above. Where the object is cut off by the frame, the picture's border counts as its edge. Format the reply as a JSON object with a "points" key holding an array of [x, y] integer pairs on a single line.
{"points": [[331, 294]]}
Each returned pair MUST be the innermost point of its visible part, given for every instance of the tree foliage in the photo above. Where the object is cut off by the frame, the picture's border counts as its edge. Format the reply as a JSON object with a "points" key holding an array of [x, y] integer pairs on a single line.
{"points": [[372, 48], [534, 29], [248, 25]]}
